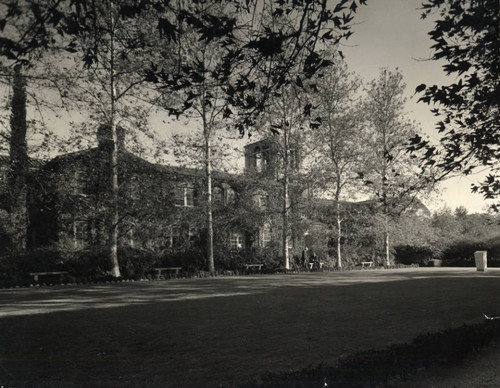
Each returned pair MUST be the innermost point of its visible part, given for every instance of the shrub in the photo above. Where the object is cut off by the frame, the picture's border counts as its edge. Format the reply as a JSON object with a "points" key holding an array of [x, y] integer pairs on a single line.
{"points": [[270, 256], [136, 263], [190, 261], [88, 264], [410, 254], [376, 367], [461, 253], [231, 259]]}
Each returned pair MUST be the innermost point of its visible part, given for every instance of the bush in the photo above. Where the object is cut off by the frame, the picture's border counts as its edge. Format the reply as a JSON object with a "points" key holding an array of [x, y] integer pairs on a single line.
{"points": [[231, 259], [409, 254], [190, 261], [376, 367], [270, 255], [136, 263], [15, 269], [461, 253]]}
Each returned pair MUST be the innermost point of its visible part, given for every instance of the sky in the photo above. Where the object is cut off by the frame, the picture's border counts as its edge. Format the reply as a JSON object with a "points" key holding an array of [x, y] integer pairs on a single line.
{"points": [[390, 33]]}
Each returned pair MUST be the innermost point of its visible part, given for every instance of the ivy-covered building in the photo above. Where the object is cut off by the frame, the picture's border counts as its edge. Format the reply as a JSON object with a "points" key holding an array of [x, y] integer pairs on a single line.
{"points": [[161, 207]]}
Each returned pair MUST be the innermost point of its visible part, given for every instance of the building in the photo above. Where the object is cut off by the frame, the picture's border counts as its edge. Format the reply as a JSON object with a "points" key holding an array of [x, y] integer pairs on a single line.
{"points": [[161, 207]]}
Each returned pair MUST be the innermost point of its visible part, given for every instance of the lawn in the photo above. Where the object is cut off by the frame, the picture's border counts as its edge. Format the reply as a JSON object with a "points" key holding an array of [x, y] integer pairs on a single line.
{"points": [[214, 331]]}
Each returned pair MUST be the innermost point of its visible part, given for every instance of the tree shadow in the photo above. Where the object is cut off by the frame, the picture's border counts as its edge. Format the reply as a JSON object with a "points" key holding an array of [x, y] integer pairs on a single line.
{"points": [[204, 332]]}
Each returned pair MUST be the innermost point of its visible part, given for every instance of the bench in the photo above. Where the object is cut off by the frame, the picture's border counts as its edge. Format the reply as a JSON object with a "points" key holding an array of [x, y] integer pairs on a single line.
{"points": [[366, 264], [316, 265], [167, 269], [37, 274], [257, 267]]}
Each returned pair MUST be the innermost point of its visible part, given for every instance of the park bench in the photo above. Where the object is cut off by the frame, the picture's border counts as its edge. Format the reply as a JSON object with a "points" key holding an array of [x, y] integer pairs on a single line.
{"points": [[167, 269], [256, 267], [317, 265], [36, 275], [366, 264]]}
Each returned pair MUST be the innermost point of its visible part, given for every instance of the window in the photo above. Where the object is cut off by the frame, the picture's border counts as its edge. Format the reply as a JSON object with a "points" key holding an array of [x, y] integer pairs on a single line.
{"points": [[179, 196], [189, 195], [230, 195], [218, 195], [80, 233], [261, 200], [81, 183], [176, 238], [236, 241], [185, 196], [266, 235], [258, 159], [183, 237]]}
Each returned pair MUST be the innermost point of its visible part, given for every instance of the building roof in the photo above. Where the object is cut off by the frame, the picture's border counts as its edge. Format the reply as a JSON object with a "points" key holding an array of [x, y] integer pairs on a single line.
{"points": [[33, 163], [143, 165]]}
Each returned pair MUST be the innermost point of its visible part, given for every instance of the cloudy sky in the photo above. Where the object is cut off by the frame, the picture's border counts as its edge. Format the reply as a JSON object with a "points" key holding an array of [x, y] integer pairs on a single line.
{"points": [[390, 33]]}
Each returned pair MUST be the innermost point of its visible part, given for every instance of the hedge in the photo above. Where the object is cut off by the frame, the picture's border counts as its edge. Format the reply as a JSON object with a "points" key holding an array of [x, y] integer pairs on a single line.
{"points": [[376, 367]]}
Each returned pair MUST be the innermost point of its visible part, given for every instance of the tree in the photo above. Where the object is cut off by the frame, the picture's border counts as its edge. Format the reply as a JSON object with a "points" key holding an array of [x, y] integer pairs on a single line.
{"points": [[18, 165], [100, 74], [286, 117], [95, 53], [466, 37], [247, 44], [252, 49], [390, 172], [337, 150]]}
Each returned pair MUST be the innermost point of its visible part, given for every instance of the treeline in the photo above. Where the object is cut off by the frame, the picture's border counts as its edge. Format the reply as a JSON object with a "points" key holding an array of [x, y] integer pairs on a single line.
{"points": [[451, 236]]}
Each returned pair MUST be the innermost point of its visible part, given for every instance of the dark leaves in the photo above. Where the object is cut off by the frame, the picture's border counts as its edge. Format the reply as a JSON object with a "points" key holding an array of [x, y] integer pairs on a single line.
{"points": [[420, 88], [167, 30], [268, 45]]}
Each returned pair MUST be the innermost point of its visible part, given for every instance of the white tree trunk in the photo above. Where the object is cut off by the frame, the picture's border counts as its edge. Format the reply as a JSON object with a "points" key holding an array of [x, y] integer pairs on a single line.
{"points": [[210, 232], [114, 219]]}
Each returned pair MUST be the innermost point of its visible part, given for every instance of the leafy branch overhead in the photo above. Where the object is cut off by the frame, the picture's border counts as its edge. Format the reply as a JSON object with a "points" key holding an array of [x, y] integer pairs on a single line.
{"points": [[466, 37], [260, 45], [260, 42]]}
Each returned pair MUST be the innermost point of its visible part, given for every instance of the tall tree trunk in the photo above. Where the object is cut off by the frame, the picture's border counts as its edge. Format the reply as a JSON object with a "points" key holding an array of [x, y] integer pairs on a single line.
{"points": [[114, 218], [387, 249], [207, 134], [339, 234], [18, 164], [210, 232], [286, 200], [385, 182]]}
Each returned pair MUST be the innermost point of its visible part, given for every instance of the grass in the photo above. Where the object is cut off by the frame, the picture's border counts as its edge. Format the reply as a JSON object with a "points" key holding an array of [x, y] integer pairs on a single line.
{"points": [[215, 331]]}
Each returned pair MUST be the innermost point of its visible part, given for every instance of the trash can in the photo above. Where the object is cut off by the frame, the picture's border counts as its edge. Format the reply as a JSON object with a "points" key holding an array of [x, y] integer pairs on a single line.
{"points": [[480, 257]]}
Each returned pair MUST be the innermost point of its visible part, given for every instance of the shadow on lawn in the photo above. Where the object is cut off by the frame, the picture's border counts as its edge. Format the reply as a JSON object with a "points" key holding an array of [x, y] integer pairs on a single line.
{"points": [[70, 298], [204, 332]]}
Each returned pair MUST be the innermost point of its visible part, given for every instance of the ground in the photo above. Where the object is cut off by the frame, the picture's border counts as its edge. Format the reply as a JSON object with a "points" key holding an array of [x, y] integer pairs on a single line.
{"points": [[213, 331]]}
